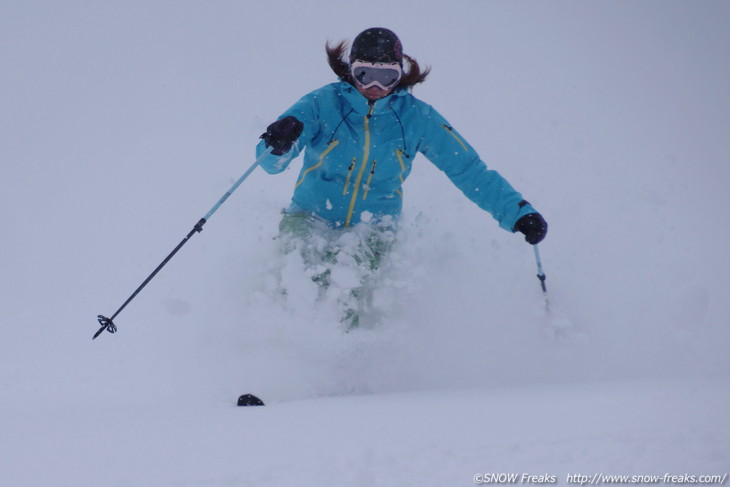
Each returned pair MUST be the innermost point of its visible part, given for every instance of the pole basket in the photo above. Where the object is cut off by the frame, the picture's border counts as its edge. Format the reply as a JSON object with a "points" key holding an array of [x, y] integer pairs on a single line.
{"points": [[106, 324]]}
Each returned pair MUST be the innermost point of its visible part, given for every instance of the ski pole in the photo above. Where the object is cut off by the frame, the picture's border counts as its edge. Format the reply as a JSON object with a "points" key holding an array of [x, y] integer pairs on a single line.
{"points": [[108, 323], [541, 274]]}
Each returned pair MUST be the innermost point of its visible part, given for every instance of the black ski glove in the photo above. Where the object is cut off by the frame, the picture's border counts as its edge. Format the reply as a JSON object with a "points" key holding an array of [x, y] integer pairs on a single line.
{"points": [[281, 134], [534, 226]]}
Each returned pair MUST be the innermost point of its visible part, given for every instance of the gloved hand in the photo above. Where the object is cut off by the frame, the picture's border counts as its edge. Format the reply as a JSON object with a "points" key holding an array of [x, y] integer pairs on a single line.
{"points": [[534, 226], [281, 134]]}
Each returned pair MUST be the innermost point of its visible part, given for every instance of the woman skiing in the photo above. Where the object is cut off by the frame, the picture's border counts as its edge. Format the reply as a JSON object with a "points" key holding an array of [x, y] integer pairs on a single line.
{"points": [[361, 134]]}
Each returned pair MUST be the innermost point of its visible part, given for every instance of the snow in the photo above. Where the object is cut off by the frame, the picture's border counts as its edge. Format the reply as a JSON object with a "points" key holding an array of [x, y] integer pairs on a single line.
{"points": [[123, 122]]}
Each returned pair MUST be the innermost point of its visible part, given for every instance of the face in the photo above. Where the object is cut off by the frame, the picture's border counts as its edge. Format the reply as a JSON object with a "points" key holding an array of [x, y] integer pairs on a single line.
{"points": [[373, 93]]}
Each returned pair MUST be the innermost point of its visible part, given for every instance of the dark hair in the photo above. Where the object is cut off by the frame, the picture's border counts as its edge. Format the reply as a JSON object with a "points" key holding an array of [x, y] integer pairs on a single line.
{"points": [[337, 55]]}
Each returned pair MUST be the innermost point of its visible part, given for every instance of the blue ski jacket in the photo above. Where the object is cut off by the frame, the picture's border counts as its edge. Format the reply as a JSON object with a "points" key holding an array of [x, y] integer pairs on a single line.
{"points": [[359, 153]]}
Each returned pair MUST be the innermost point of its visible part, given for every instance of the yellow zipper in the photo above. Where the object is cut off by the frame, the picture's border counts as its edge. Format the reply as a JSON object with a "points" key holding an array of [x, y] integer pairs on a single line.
{"points": [[331, 145], [458, 139], [358, 180], [399, 155], [370, 178], [349, 173]]}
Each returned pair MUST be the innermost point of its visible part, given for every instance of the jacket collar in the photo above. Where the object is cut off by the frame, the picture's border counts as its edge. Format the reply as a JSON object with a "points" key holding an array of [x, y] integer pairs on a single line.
{"points": [[362, 105]]}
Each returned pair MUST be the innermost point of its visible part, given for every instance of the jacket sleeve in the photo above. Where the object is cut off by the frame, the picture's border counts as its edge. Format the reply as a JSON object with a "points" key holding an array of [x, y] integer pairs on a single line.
{"points": [[306, 110], [448, 151]]}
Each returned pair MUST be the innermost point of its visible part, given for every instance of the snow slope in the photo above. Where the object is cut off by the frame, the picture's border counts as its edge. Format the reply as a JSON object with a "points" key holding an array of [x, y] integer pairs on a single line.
{"points": [[123, 122]]}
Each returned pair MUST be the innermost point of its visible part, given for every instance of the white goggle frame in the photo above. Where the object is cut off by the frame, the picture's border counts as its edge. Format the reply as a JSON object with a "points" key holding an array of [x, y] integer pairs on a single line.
{"points": [[372, 77]]}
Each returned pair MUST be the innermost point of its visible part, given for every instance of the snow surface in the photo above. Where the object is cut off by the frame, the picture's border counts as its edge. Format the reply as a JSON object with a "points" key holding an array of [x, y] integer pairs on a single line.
{"points": [[122, 123]]}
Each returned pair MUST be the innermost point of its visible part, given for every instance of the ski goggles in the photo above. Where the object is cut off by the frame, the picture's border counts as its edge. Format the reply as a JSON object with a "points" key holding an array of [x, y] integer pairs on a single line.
{"points": [[383, 75]]}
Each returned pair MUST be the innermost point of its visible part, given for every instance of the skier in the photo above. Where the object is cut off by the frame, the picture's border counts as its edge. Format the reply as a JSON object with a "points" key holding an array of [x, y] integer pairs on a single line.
{"points": [[361, 135]]}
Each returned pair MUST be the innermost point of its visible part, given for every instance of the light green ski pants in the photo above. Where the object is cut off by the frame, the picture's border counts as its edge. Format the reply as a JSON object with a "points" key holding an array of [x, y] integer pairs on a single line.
{"points": [[322, 247]]}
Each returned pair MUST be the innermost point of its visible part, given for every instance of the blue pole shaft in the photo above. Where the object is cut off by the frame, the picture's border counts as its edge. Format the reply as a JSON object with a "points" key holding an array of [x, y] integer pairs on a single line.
{"points": [[235, 186], [108, 323], [540, 272]]}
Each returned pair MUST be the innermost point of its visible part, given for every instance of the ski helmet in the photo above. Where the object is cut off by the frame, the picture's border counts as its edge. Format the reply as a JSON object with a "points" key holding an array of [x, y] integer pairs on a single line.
{"points": [[377, 45]]}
